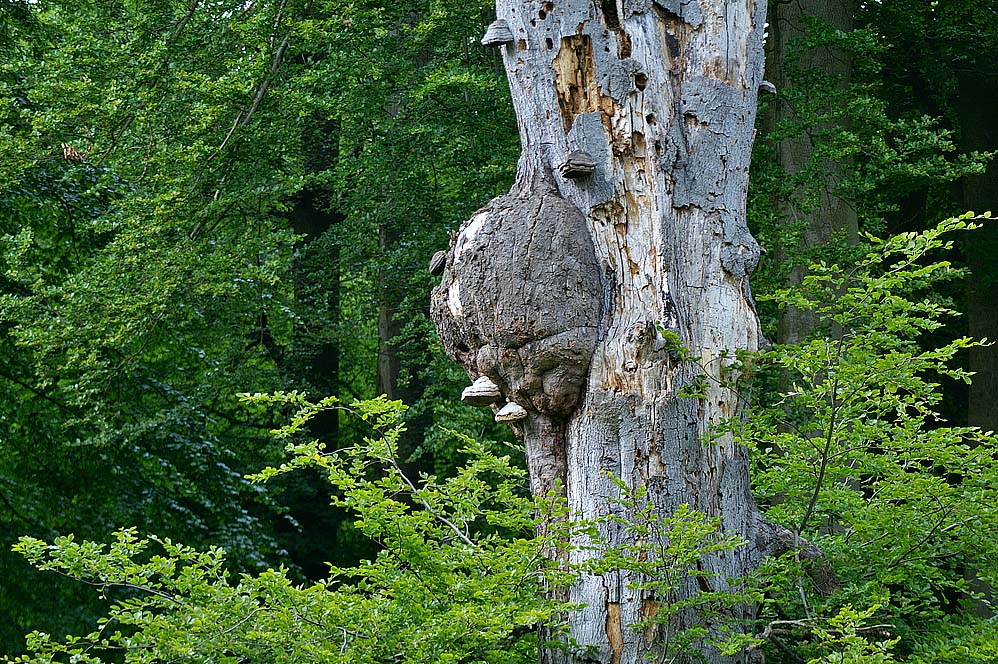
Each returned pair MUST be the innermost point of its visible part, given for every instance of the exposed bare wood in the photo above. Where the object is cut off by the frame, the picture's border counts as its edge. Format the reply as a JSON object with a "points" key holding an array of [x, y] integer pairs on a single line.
{"points": [[566, 291]]}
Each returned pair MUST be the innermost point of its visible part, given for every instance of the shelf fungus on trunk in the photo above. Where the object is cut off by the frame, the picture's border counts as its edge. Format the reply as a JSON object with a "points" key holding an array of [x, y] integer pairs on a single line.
{"points": [[578, 164], [519, 301], [511, 412], [483, 392], [438, 263], [498, 33]]}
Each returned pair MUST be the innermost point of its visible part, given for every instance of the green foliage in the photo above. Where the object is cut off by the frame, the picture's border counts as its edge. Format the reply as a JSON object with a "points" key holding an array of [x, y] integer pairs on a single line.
{"points": [[463, 572], [155, 159], [845, 643], [457, 577], [156, 163], [954, 40], [854, 456], [663, 555], [866, 140]]}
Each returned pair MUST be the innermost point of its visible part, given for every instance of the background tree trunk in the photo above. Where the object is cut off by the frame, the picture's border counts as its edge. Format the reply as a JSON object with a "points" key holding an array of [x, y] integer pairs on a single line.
{"points": [[566, 291], [979, 127], [788, 23], [313, 363], [389, 380], [389, 362], [315, 360]]}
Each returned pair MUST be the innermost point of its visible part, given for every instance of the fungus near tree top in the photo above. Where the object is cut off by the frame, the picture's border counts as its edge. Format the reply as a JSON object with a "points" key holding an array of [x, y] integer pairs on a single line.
{"points": [[497, 33]]}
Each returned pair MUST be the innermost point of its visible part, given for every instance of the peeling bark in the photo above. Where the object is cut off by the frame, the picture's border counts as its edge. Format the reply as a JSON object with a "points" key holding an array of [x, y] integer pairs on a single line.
{"points": [[560, 290]]}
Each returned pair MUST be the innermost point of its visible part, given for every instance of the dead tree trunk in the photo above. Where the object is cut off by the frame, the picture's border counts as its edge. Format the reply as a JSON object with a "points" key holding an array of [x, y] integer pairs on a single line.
{"points": [[625, 226]]}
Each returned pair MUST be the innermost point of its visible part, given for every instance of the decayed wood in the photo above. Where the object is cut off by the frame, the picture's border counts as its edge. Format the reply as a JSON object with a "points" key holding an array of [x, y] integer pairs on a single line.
{"points": [[564, 290], [519, 300]]}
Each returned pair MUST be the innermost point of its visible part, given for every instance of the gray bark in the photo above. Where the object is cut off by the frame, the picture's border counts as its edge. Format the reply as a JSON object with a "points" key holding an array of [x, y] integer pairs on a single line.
{"points": [[559, 290]]}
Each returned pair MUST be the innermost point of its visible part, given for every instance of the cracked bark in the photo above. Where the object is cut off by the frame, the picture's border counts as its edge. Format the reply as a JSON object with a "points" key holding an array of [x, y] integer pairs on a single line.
{"points": [[559, 290]]}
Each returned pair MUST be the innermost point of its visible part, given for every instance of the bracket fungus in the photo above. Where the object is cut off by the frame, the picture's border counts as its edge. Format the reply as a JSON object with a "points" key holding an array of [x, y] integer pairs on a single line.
{"points": [[511, 412], [483, 392], [498, 33], [438, 263], [578, 164]]}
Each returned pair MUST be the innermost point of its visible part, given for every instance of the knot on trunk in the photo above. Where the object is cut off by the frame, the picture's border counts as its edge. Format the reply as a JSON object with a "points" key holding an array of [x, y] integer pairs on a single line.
{"points": [[519, 299]]}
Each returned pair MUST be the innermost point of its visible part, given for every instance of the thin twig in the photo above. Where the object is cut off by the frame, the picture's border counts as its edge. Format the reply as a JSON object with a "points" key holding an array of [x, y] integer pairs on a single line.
{"points": [[37, 525], [932, 531], [243, 119], [277, 22], [247, 10], [114, 141], [244, 620], [262, 90], [41, 394], [120, 584], [439, 517], [835, 405], [225, 141]]}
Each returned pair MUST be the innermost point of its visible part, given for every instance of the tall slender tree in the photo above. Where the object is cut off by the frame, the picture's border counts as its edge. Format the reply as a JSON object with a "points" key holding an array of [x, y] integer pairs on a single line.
{"points": [[819, 209]]}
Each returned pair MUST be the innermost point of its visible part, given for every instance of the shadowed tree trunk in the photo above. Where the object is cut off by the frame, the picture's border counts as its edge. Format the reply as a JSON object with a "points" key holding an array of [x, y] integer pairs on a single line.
{"points": [[389, 326], [567, 290], [979, 129], [830, 216], [389, 380], [313, 363], [315, 351], [979, 126]]}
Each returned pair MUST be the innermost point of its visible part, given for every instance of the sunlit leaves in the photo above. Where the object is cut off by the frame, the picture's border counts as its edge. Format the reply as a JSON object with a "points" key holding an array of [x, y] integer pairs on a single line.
{"points": [[854, 456], [457, 577]]}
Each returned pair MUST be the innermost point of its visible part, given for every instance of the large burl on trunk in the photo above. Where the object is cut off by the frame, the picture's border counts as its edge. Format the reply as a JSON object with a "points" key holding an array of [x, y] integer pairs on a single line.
{"points": [[627, 220]]}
